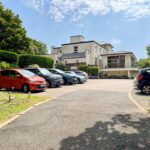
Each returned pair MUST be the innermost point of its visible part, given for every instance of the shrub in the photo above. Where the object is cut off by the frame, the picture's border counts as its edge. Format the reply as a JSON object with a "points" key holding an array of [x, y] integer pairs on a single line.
{"points": [[42, 61], [61, 66], [93, 70], [4, 65], [13, 66], [83, 68], [34, 66], [9, 57]]}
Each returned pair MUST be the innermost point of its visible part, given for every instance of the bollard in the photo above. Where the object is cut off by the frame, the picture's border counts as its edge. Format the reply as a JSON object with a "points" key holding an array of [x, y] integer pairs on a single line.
{"points": [[9, 96], [29, 95]]}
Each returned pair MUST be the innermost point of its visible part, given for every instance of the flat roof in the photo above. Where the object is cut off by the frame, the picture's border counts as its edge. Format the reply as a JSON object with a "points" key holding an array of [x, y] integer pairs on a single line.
{"points": [[87, 42], [118, 53]]}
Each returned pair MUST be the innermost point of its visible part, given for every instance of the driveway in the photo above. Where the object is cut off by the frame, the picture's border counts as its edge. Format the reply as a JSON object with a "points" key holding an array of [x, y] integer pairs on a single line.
{"points": [[95, 116]]}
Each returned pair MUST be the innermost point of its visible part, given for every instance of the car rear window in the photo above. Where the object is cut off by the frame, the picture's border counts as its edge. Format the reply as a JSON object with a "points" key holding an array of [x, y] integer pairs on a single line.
{"points": [[148, 72]]}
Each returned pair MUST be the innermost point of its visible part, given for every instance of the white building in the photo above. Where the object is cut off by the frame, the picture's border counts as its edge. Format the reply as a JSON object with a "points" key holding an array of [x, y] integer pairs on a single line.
{"points": [[79, 51]]}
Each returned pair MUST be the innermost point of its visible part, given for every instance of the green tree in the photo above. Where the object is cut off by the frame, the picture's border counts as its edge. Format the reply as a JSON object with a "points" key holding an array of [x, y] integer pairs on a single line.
{"points": [[12, 34], [37, 47], [143, 63], [148, 50], [60, 66]]}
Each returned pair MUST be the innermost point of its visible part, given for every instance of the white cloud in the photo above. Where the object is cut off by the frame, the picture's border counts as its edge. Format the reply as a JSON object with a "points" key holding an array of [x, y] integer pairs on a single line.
{"points": [[76, 9]]}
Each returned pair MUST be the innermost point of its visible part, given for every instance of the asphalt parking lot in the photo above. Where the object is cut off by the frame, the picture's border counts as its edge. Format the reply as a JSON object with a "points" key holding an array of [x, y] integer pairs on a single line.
{"points": [[97, 115]]}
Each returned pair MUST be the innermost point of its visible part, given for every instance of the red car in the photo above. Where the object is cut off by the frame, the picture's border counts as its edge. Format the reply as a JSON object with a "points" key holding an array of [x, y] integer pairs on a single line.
{"points": [[21, 79]]}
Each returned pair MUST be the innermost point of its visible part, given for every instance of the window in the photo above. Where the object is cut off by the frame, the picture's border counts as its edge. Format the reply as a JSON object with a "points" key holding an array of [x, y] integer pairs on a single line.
{"points": [[116, 61], [75, 48], [13, 74], [5, 73], [148, 72]]}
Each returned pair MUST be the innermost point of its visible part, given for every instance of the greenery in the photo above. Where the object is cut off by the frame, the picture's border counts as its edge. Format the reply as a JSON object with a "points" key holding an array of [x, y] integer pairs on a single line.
{"points": [[4, 65], [42, 61], [37, 47], [143, 63], [9, 57], [148, 50], [94, 70], [20, 103], [13, 35], [83, 68], [34, 66], [61, 66]]}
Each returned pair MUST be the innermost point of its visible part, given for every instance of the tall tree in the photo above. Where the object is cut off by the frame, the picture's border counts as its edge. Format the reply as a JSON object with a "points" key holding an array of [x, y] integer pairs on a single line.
{"points": [[148, 50], [12, 34], [37, 47]]}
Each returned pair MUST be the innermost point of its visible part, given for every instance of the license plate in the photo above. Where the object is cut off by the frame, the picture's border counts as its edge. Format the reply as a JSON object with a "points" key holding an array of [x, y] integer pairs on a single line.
{"points": [[43, 86]]}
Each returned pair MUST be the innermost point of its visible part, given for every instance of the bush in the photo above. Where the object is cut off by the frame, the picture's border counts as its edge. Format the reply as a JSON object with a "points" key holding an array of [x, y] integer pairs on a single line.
{"points": [[93, 71], [61, 66], [4, 65], [9, 57], [83, 68], [34, 66], [13, 66], [42, 61]]}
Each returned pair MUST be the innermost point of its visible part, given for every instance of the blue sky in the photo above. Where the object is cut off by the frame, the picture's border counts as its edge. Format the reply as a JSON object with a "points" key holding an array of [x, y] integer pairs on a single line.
{"points": [[124, 24]]}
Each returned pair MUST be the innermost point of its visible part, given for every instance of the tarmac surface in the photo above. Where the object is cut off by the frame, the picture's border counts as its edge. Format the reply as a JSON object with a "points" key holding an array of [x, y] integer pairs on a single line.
{"points": [[97, 115]]}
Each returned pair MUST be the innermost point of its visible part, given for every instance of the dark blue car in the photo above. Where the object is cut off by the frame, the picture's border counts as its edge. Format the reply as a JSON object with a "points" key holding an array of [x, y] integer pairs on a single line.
{"points": [[143, 81]]}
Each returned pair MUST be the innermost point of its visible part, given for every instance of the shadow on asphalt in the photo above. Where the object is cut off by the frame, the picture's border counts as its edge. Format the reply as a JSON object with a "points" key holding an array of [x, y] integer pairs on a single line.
{"points": [[105, 135], [140, 94]]}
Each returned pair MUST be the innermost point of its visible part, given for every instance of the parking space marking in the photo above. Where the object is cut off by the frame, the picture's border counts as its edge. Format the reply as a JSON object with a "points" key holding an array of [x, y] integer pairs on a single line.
{"points": [[137, 104]]}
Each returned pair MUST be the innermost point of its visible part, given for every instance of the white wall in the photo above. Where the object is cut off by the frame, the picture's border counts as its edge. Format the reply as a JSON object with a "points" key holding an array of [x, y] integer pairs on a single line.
{"points": [[128, 61], [75, 39]]}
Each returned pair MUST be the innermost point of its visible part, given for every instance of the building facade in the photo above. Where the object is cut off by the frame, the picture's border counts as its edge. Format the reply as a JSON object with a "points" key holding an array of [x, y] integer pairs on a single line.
{"points": [[119, 64], [78, 51]]}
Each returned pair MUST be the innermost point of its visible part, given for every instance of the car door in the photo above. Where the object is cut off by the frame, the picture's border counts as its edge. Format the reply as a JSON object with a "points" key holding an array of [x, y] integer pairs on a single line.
{"points": [[4, 79], [15, 79], [148, 75]]}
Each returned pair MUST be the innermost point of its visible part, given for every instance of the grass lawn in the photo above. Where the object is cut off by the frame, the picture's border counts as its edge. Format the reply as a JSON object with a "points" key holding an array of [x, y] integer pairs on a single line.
{"points": [[18, 104]]}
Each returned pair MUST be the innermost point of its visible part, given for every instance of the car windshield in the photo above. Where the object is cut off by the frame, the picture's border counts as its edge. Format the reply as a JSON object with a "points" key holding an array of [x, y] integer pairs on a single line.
{"points": [[45, 72], [60, 71], [70, 72], [26, 73]]}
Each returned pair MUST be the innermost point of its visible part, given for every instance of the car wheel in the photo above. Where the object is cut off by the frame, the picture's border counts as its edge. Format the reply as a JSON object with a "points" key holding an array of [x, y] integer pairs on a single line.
{"points": [[146, 89], [78, 81], [25, 88], [48, 84]]}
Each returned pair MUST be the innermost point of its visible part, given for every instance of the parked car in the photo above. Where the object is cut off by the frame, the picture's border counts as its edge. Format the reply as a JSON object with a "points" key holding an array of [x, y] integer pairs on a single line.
{"points": [[21, 79], [80, 79], [52, 80], [81, 73], [68, 79], [142, 81]]}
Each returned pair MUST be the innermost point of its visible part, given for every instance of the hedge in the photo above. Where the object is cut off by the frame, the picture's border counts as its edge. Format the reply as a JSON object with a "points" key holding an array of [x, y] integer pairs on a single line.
{"points": [[26, 60], [8, 57], [83, 68], [93, 70]]}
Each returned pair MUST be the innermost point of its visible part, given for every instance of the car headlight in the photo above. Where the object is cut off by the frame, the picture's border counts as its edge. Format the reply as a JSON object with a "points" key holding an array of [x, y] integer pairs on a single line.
{"points": [[31, 80]]}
